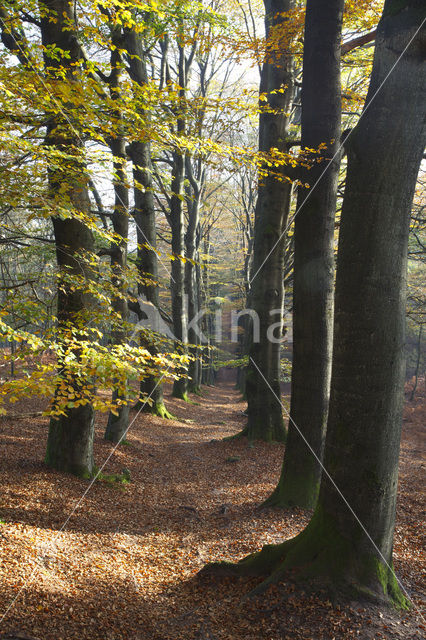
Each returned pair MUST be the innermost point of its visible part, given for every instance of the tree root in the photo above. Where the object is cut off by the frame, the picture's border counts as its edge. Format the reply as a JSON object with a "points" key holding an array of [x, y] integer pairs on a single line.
{"points": [[155, 409], [322, 557], [161, 411], [237, 436], [196, 391], [181, 396]]}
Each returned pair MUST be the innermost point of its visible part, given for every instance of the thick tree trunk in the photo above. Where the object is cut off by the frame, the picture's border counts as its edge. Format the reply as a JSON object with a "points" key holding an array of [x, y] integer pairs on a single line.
{"points": [[70, 442], [313, 283], [144, 216], [265, 419], [354, 552], [70, 439], [364, 427]]}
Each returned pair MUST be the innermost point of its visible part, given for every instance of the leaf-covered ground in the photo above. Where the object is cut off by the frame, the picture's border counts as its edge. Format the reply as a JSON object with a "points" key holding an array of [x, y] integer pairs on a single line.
{"points": [[116, 561]]}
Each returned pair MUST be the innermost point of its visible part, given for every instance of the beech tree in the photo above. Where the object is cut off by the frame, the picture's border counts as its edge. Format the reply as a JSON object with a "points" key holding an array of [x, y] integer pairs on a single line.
{"points": [[75, 104], [196, 178], [70, 440], [313, 278], [348, 543], [265, 419], [118, 420], [144, 212]]}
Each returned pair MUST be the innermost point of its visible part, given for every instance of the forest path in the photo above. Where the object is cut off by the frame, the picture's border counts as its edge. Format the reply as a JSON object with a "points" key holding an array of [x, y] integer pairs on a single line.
{"points": [[124, 566]]}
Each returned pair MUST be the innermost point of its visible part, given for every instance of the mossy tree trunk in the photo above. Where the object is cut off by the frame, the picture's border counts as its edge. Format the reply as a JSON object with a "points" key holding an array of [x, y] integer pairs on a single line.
{"points": [[70, 438], [265, 419], [144, 216], [353, 553], [313, 280]]}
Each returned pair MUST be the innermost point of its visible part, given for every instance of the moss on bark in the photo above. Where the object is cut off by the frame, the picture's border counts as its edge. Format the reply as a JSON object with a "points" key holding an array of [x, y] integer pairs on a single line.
{"points": [[322, 556], [196, 390], [236, 436], [157, 409], [70, 442], [180, 389], [275, 432], [181, 395], [299, 491]]}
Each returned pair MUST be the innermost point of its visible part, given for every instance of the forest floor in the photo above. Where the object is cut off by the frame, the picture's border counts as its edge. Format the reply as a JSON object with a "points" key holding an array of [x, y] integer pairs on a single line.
{"points": [[119, 562]]}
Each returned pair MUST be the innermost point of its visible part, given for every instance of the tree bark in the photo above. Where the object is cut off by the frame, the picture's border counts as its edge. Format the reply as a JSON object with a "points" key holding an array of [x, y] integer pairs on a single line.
{"points": [[364, 425], [313, 279], [245, 324], [265, 419], [144, 216], [200, 301], [192, 273], [118, 421], [177, 222], [208, 376], [70, 439], [418, 358]]}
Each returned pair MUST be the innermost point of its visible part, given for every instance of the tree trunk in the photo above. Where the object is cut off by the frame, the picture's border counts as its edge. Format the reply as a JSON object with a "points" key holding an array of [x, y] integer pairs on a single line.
{"points": [[144, 216], [245, 323], [200, 300], [364, 425], [70, 439], [419, 355], [118, 421], [177, 221], [265, 419], [180, 387], [193, 309], [313, 284], [208, 373], [192, 244], [118, 424]]}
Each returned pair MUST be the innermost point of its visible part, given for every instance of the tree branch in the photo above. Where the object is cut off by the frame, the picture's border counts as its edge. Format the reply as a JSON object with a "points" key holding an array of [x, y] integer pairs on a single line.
{"points": [[358, 42]]}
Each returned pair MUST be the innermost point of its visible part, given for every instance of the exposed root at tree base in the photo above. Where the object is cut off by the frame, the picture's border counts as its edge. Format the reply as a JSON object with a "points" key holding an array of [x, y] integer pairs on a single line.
{"points": [[322, 559], [236, 436], [181, 396], [157, 409], [303, 495], [197, 391]]}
